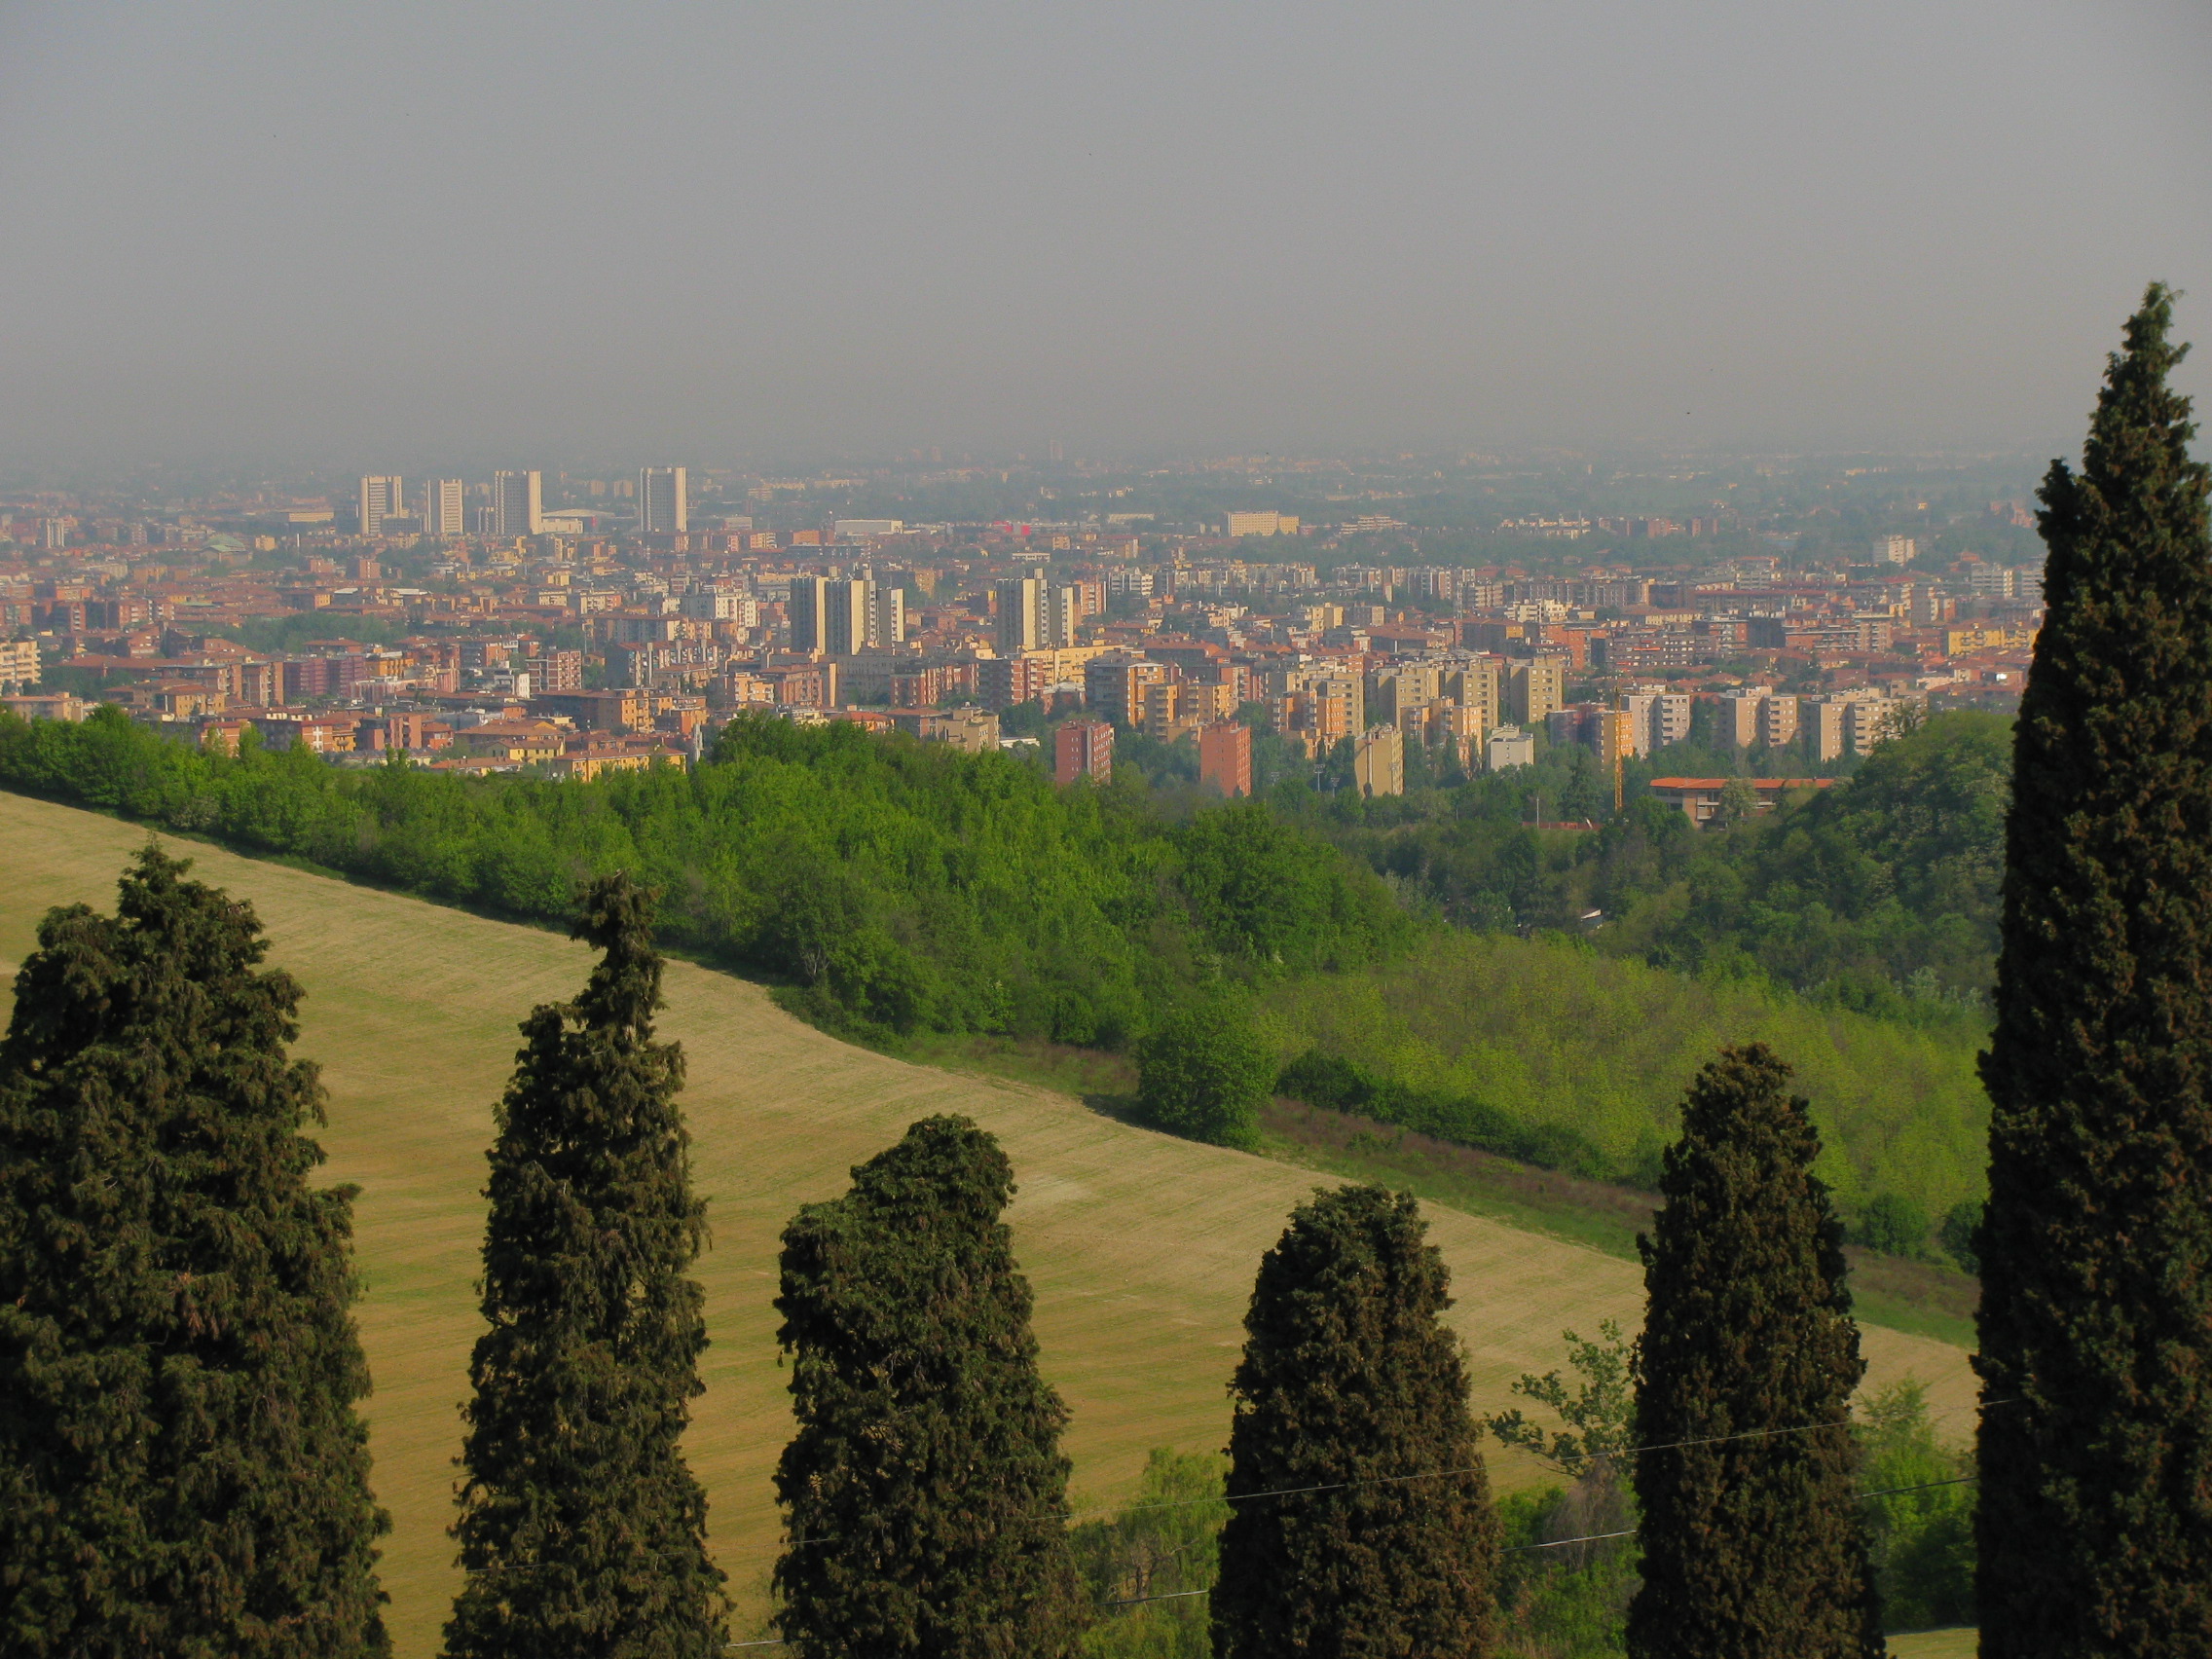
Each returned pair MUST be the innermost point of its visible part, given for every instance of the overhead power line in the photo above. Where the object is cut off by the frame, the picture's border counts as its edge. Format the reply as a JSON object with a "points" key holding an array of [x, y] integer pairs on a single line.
{"points": [[1514, 1549]]}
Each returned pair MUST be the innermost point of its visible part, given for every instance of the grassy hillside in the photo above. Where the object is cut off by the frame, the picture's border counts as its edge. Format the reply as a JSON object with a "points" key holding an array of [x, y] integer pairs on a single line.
{"points": [[1549, 1034], [1141, 1248]]}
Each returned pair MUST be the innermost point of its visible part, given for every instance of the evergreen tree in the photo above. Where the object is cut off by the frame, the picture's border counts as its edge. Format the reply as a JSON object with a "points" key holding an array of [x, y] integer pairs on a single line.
{"points": [[924, 1492], [182, 1471], [1351, 1384], [2096, 1247], [581, 1529], [1754, 1546]]}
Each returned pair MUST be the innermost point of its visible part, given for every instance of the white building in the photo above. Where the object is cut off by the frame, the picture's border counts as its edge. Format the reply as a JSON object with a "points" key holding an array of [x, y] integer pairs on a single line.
{"points": [[518, 505], [445, 507], [664, 506], [382, 496], [1509, 747]]}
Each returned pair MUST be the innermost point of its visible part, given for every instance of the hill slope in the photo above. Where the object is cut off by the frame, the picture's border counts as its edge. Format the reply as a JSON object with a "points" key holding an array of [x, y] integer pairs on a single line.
{"points": [[1141, 1248]]}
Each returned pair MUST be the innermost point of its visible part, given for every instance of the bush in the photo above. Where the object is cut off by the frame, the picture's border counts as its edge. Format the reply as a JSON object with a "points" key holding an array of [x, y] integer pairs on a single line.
{"points": [[1344, 1086], [1922, 1538], [1960, 1222], [1894, 1225], [1204, 1073], [1142, 1565]]}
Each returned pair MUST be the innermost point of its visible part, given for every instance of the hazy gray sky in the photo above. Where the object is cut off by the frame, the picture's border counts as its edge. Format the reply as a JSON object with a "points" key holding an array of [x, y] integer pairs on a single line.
{"points": [[387, 232]]}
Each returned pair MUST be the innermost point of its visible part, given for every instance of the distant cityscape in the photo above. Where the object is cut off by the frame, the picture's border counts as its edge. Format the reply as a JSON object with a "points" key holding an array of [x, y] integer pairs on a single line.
{"points": [[569, 626]]}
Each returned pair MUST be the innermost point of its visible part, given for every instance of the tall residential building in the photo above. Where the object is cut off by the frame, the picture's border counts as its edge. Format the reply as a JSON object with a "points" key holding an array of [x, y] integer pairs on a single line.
{"points": [[382, 496], [1319, 707], [1083, 749], [1378, 761], [1895, 550], [1821, 722], [1534, 689], [842, 615], [1870, 722], [1114, 686], [803, 610], [1020, 615], [518, 505], [886, 614], [1224, 757], [1035, 615], [1778, 721], [1661, 717], [664, 506], [1613, 734], [1740, 715], [445, 507]]}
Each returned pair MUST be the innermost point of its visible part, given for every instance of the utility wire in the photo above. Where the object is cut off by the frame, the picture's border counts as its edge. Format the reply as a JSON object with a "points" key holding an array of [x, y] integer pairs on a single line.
{"points": [[1447, 1474], [1392, 1480], [1514, 1549]]}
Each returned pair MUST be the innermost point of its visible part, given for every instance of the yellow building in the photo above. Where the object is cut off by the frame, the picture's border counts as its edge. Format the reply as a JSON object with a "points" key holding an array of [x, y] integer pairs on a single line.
{"points": [[1535, 688], [525, 741], [1379, 762]]}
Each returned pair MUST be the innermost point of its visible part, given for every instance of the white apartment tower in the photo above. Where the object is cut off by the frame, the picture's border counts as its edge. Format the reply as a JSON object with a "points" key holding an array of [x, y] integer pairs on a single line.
{"points": [[842, 616], [1021, 618], [445, 507], [518, 505], [663, 506], [382, 496], [1034, 615]]}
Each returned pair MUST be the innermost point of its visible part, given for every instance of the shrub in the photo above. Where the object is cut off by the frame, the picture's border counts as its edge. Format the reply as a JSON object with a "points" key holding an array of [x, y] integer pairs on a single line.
{"points": [[1894, 1225], [1204, 1073], [1960, 1222]]}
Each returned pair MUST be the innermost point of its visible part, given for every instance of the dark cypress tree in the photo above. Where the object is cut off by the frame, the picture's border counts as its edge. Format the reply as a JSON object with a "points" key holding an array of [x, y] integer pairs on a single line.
{"points": [[1754, 1543], [581, 1529], [1351, 1384], [2096, 1246], [924, 1492], [182, 1471]]}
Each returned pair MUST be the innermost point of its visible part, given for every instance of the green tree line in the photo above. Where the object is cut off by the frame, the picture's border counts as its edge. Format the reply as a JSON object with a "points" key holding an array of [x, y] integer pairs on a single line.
{"points": [[898, 886]]}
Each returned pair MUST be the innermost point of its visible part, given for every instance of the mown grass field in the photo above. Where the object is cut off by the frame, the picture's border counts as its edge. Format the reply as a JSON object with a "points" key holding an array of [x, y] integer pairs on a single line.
{"points": [[1141, 1248], [1936, 1645]]}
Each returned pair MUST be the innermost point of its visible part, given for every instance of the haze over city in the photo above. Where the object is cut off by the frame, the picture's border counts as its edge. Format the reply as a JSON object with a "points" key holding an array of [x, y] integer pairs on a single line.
{"points": [[414, 234]]}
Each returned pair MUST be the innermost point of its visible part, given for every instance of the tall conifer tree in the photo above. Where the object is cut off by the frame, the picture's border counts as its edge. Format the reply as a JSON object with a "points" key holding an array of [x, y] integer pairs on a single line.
{"points": [[925, 1489], [581, 1528], [2096, 1246], [1351, 1384], [1755, 1544], [182, 1469]]}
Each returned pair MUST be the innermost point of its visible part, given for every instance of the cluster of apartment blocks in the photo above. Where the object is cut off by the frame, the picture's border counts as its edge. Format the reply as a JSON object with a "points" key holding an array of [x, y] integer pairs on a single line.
{"points": [[1330, 666], [1827, 725]]}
